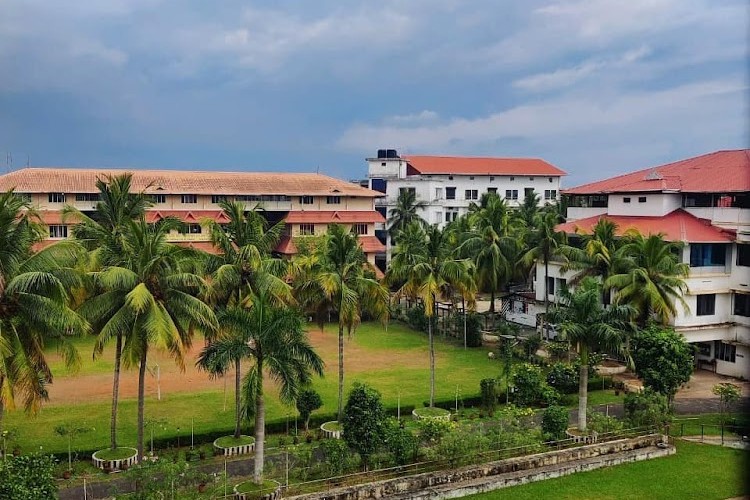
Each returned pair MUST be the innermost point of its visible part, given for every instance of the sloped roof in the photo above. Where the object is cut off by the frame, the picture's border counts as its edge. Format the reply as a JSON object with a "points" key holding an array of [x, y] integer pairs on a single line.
{"points": [[188, 216], [206, 246], [78, 180], [333, 217], [481, 166], [678, 225], [718, 172]]}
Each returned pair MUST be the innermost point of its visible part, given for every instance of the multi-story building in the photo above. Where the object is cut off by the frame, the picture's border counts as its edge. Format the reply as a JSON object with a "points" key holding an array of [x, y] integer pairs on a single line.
{"points": [[307, 202], [704, 203], [448, 185]]}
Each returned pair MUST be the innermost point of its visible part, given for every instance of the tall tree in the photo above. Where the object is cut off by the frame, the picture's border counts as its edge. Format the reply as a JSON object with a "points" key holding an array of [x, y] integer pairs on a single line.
{"points": [[584, 321], [405, 212], [341, 278], [548, 243], [105, 235], [663, 359], [151, 301], [34, 305], [493, 245], [277, 344], [429, 271], [652, 280]]}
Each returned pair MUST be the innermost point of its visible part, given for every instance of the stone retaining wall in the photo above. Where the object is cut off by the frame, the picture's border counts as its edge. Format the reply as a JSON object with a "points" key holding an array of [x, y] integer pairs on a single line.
{"points": [[523, 469]]}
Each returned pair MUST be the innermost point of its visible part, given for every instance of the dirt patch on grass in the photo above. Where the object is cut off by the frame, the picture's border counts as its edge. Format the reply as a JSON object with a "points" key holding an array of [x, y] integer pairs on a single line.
{"points": [[70, 388]]}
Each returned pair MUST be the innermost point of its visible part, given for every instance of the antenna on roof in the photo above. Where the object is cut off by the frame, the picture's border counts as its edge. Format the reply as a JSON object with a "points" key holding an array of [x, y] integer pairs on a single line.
{"points": [[317, 169]]}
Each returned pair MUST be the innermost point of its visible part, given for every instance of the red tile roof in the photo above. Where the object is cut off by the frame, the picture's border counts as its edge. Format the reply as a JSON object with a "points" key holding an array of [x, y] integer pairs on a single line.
{"points": [[718, 172], [55, 217], [678, 225], [480, 166], [286, 246], [188, 216], [206, 246], [332, 217], [78, 180]]}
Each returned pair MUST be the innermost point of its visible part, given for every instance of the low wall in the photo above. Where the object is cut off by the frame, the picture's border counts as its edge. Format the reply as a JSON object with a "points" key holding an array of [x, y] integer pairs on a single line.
{"points": [[519, 470]]}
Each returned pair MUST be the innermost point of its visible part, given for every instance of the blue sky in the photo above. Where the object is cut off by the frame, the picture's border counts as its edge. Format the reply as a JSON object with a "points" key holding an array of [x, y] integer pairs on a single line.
{"points": [[594, 87]]}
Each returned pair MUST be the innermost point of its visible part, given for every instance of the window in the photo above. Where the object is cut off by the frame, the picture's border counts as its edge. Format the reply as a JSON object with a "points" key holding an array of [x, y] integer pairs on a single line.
{"points": [[382, 164], [743, 255], [512, 179], [26, 197], [451, 214], [742, 304], [218, 198], [626, 199], [707, 254], [531, 179], [307, 229], [511, 194], [450, 193], [438, 193], [158, 198], [403, 190], [58, 231], [450, 177], [191, 229], [359, 228], [87, 196], [56, 197], [562, 284], [306, 200], [550, 194], [550, 179], [333, 200], [641, 199], [471, 177], [550, 285], [492, 190], [492, 179], [725, 352], [471, 194], [706, 305], [189, 198]]}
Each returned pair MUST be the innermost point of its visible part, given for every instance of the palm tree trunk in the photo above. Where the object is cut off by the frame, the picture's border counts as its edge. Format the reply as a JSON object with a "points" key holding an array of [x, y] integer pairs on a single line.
{"points": [[115, 394], [546, 300], [583, 386], [340, 414], [260, 429], [141, 400], [492, 302], [237, 403], [432, 357]]}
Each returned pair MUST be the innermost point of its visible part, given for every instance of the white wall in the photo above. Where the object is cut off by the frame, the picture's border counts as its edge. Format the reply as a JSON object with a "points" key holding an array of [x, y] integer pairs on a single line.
{"points": [[656, 204]]}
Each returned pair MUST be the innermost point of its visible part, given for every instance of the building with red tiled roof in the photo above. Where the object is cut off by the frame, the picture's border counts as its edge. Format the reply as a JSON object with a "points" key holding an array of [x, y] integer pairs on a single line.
{"points": [[448, 185], [308, 202], [704, 204]]}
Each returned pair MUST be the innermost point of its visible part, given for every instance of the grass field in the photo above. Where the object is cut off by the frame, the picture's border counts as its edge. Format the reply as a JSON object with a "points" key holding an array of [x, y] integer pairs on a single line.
{"points": [[696, 471], [394, 361]]}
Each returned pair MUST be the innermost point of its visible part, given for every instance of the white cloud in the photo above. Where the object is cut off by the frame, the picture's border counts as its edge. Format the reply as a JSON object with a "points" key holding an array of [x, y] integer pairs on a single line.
{"points": [[424, 116], [645, 111]]}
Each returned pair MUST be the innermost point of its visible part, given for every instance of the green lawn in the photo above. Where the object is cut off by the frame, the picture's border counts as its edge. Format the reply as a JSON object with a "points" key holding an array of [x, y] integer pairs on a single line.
{"points": [[394, 361], [696, 471]]}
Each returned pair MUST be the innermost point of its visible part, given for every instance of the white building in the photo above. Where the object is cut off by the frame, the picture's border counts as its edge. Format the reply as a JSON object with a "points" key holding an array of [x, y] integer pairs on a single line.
{"points": [[450, 184], [703, 202]]}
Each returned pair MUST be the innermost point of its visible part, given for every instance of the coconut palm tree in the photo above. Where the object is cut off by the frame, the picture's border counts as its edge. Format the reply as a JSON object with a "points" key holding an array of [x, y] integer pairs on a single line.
{"points": [[405, 212], [652, 280], [246, 243], [151, 301], [429, 271], [586, 323], [105, 235], [493, 244], [343, 284], [274, 338], [34, 305], [548, 244]]}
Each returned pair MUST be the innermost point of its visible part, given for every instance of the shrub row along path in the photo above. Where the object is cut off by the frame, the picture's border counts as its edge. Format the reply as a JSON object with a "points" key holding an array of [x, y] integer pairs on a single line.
{"points": [[244, 467]]}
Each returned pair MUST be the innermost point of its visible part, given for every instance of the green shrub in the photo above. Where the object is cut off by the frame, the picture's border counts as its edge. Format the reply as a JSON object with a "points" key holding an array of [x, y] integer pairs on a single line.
{"points": [[416, 318], [337, 456], [554, 422], [488, 388], [601, 423], [563, 377], [646, 408], [364, 421], [27, 477], [307, 402], [402, 444], [432, 430], [531, 388], [473, 328]]}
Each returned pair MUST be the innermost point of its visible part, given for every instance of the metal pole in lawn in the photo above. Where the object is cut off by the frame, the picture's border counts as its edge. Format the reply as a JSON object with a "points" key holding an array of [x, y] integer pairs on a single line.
{"points": [[192, 433]]}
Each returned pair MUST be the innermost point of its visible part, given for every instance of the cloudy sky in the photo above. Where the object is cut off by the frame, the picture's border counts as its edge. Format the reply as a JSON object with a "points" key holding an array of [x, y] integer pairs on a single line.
{"points": [[594, 87]]}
